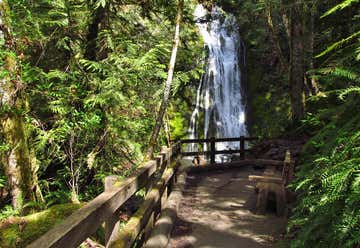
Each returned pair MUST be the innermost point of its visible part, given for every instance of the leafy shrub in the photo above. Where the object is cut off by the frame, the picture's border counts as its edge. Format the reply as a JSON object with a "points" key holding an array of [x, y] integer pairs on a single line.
{"points": [[328, 213], [8, 211], [328, 181]]}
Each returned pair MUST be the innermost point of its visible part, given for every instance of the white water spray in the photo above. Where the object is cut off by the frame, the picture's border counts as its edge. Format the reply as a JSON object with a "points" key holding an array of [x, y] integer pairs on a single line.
{"points": [[219, 100]]}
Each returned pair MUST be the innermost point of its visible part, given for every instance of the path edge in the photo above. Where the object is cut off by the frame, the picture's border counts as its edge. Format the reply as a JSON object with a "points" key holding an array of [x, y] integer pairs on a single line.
{"points": [[160, 235]]}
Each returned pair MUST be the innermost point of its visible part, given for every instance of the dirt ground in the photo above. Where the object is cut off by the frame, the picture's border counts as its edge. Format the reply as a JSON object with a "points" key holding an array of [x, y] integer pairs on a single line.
{"points": [[218, 211]]}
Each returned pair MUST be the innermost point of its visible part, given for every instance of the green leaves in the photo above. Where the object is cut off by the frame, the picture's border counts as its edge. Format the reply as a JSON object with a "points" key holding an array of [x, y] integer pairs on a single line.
{"points": [[348, 91], [58, 15], [327, 213], [100, 3], [328, 209], [341, 6], [339, 44], [2, 181], [89, 118], [346, 74]]}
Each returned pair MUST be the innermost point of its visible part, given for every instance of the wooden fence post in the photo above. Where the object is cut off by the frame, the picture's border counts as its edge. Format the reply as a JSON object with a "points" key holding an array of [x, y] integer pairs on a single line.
{"points": [[242, 147], [112, 221], [288, 168], [212, 150], [178, 146]]}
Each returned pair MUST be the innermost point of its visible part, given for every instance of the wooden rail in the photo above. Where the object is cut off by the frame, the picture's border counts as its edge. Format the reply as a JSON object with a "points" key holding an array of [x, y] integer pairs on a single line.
{"points": [[212, 152], [104, 208], [156, 176]]}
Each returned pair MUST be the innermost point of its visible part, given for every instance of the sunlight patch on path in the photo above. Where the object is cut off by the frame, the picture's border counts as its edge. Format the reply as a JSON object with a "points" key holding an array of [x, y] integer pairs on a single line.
{"points": [[217, 212]]}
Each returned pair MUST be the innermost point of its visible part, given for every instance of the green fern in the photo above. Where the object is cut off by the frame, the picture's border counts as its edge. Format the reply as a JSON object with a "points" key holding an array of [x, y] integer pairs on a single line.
{"points": [[341, 6], [349, 91], [339, 44], [331, 191], [346, 74]]}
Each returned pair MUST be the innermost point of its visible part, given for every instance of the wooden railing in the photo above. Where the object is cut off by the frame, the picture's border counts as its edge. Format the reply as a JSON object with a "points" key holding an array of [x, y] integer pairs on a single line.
{"points": [[212, 152], [156, 176]]}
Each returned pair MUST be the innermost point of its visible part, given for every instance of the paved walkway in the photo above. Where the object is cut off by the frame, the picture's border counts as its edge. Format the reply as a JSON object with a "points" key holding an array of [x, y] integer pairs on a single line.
{"points": [[217, 212]]}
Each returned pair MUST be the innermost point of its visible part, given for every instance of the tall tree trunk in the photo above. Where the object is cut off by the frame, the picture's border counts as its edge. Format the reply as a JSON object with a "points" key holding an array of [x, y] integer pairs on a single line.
{"points": [[18, 160], [99, 22], [313, 82], [274, 36], [167, 129], [296, 75], [166, 96]]}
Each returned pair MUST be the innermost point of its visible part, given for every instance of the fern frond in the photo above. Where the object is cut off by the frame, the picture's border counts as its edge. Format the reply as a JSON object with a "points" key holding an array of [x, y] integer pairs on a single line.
{"points": [[341, 6], [100, 3], [348, 91], [346, 74], [338, 44]]}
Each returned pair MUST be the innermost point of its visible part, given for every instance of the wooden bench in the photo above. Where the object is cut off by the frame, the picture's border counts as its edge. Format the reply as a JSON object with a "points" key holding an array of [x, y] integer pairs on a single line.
{"points": [[273, 182]]}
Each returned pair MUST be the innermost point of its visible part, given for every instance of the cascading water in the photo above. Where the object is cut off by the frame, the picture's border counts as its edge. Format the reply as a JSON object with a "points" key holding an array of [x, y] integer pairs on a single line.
{"points": [[219, 103]]}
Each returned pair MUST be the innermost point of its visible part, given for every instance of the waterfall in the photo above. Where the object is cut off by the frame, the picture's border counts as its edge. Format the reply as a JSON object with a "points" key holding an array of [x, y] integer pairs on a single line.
{"points": [[220, 107]]}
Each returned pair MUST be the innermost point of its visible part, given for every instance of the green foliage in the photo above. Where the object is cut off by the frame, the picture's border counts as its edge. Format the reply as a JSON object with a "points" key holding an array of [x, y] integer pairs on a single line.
{"points": [[266, 84], [349, 91], [328, 181], [339, 44], [327, 214], [178, 124], [2, 181], [8, 211], [91, 117], [52, 197], [343, 5], [346, 74]]}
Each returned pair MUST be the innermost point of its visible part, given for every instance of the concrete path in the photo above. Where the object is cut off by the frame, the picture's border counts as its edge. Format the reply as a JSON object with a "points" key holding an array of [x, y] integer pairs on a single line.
{"points": [[217, 211]]}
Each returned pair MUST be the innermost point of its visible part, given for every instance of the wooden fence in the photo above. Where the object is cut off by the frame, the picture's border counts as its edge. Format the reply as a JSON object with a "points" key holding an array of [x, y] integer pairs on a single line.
{"points": [[156, 176], [212, 152]]}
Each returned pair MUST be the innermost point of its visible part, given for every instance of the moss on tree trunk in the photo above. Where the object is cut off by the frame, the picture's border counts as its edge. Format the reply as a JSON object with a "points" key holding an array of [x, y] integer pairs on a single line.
{"points": [[18, 166], [18, 161]]}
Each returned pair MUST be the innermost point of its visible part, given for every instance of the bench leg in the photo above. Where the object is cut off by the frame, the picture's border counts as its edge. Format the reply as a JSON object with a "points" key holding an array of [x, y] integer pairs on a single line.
{"points": [[262, 199], [281, 201]]}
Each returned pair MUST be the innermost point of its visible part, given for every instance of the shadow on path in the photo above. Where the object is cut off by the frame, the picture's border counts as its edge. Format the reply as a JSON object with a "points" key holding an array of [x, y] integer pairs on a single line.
{"points": [[217, 211]]}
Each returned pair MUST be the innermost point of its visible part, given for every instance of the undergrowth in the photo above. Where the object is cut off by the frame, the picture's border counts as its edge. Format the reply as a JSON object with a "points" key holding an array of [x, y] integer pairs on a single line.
{"points": [[328, 182]]}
